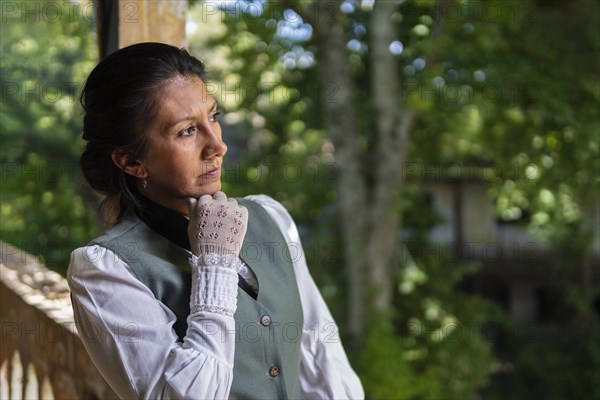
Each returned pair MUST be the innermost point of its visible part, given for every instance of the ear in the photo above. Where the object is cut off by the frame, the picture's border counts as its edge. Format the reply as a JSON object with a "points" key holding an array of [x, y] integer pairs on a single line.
{"points": [[123, 161]]}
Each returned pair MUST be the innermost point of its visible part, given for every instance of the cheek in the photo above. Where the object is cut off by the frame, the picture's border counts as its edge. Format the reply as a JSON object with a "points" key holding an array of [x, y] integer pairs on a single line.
{"points": [[155, 150], [184, 160], [169, 159]]}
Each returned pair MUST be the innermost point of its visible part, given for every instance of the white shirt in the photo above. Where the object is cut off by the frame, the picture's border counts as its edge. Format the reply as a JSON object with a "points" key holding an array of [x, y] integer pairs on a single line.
{"points": [[130, 337]]}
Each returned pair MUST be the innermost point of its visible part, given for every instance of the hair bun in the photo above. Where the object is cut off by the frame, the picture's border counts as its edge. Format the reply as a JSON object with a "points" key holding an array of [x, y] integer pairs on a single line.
{"points": [[98, 171]]}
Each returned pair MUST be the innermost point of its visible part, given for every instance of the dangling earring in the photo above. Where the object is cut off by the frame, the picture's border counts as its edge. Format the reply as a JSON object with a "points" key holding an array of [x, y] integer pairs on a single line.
{"points": [[144, 184]]}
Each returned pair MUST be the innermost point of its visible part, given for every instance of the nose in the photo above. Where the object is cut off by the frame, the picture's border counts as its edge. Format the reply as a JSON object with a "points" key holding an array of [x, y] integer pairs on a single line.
{"points": [[214, 147]]}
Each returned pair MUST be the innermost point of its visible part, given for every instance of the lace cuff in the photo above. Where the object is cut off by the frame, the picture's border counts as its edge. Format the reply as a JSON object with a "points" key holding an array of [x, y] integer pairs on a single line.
{"points": [[214, 289], [217, 260]]}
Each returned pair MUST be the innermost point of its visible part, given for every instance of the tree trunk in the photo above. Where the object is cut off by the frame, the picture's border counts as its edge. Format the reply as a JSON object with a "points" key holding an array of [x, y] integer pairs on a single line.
{"points": [[340, 115], [392, 125], [370, 228]]}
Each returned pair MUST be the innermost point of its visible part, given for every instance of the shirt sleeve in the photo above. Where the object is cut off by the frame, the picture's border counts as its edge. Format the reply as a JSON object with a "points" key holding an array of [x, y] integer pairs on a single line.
{"points": [[129, 333], [324, 368]]}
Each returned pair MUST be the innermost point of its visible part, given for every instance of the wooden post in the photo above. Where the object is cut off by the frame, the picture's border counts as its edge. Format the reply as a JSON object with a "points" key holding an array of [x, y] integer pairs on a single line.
{"points": [[125, 22]]}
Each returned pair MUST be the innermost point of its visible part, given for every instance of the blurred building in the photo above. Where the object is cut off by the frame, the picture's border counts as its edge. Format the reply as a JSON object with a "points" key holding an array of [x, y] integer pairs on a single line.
{"points": [[518, 271]]}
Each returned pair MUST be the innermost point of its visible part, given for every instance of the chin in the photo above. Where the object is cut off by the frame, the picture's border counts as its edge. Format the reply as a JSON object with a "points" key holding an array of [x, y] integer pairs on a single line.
{"points": [[208, 189]]}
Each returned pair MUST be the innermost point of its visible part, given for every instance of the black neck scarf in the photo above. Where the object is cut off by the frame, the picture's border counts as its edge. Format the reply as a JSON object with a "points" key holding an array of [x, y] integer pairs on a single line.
{"points": [[173, 227]]}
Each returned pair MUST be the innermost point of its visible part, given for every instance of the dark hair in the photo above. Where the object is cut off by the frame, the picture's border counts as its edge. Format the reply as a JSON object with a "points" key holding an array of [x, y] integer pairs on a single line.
{"points": [[119, 100]]}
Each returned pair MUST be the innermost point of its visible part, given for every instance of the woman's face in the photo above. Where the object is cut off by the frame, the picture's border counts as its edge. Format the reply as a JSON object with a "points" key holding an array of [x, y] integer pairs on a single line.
{"points": [[185, 151]]}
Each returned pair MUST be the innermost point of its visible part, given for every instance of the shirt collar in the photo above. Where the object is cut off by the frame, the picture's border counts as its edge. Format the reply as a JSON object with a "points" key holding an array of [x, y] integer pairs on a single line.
{"points": [[164, 221]]}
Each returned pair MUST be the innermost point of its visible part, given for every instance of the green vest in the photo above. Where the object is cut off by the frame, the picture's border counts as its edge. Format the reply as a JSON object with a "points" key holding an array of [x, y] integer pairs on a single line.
{"points": [[261, 343]]}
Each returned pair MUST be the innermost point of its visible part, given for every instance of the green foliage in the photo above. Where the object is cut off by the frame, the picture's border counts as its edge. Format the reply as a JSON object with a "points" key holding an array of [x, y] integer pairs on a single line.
{"points": [[549, 362], [438, 329], [498, 87], [436, 349], [44, 64], [389, 374]]}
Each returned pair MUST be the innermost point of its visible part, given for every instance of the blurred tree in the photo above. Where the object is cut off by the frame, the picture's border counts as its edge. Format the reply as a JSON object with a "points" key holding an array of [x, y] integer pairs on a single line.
{"points": [[46, 55], [359, 88]]}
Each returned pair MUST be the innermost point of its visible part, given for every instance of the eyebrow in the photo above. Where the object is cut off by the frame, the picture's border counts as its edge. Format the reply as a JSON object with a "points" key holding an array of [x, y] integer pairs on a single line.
{"points": [[191, 117]]}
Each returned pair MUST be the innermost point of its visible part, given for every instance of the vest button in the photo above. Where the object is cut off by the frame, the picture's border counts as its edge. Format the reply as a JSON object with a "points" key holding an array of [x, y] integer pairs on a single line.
{"points": [[274, 371], [265, 320]]}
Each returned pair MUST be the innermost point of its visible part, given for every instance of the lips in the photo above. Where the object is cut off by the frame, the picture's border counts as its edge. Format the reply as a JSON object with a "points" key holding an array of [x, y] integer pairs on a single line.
{"points": [[213, 172]]}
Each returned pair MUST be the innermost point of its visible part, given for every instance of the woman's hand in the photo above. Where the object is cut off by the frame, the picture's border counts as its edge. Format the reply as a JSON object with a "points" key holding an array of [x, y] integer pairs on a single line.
{"points": [[217, 224]]}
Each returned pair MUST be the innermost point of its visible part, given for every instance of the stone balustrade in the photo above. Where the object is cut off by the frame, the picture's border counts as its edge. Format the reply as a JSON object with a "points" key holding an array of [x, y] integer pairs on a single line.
{"points": [[41, 353]]}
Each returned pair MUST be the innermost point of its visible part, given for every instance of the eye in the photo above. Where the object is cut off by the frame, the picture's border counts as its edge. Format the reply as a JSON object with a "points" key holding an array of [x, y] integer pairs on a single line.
{"points": [[215, 117], [189, 131]]}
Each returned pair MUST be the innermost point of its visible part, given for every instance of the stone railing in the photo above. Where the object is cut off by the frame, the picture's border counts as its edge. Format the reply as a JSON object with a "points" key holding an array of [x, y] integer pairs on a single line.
{"points": [[41, 353]]}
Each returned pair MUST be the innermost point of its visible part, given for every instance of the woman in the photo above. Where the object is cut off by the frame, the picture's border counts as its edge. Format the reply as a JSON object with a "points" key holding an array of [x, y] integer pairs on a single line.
{"points": [[190, 294]]}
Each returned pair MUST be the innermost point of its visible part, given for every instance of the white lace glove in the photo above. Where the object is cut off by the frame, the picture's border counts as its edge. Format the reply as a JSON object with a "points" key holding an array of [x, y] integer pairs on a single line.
{"points": [[216, 231], [217, 225]]}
